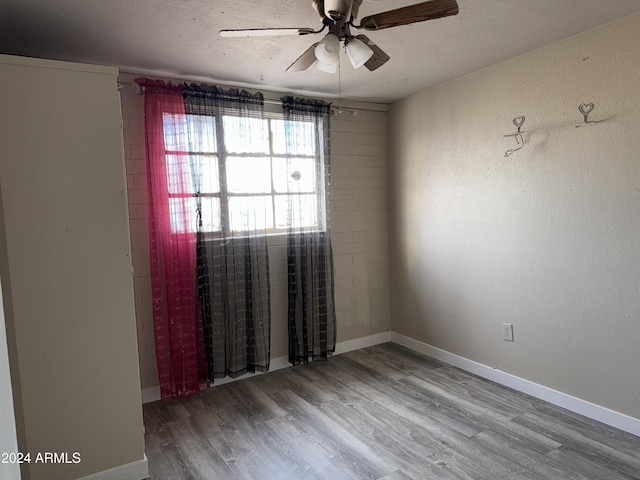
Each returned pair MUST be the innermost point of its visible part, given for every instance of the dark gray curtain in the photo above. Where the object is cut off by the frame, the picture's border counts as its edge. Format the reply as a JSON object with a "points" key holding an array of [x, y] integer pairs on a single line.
{"points": [[312, 319], [232, 258]]}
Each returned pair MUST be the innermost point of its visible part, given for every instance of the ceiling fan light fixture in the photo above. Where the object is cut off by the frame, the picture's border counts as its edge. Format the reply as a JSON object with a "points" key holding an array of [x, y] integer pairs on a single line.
{"points": [[328, 49], [326, 67], [358, 52]]}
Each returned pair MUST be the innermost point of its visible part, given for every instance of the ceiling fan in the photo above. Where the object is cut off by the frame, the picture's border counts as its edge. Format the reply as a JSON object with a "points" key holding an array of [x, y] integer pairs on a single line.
{"points": [[338, 17]]}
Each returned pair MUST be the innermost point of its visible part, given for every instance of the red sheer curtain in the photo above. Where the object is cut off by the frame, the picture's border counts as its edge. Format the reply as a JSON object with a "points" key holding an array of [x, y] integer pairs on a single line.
{"points": [[176, 316]]}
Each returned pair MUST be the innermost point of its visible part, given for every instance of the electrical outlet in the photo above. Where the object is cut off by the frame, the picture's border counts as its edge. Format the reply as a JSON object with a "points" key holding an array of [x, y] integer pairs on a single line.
{"points": [[507, 332]]}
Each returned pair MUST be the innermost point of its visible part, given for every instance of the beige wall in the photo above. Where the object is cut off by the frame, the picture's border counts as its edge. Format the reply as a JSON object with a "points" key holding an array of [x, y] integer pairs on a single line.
{"points": [[67, 267], [548, 238], [359, 199]]}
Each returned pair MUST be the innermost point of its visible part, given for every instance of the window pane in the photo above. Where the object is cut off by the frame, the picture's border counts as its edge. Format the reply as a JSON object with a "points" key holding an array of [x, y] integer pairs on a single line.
{"points": [[175, 131], [245, 135], [210, 214], [298, 211], [202, 133], [250, 213], [189, 133], [205, 170], [183, 214], [192, 174], [249, 175], [293, 138], [179, 178], [294, 175]]}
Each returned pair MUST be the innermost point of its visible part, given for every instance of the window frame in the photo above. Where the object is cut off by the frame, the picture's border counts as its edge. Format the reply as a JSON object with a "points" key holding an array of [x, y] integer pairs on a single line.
{"points": [[221, 156]]}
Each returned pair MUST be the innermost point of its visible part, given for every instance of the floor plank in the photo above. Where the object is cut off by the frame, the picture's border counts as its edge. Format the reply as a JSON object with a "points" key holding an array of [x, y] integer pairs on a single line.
{"points": [[382, 413]]}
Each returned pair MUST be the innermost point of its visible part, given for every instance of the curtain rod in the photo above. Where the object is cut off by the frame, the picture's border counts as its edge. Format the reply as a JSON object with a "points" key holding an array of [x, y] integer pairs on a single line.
{"points": [[334, 110]]}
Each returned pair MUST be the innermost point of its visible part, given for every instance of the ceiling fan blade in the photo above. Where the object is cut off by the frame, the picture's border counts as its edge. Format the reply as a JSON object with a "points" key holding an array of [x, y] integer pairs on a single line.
{"points": [[355, 8], [378, 59], [305, 60], [266, 32], [411, 14]]}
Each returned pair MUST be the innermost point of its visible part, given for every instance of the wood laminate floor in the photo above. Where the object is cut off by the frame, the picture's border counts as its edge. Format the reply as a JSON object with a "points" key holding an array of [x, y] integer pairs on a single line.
{"points": [[385, 413]]}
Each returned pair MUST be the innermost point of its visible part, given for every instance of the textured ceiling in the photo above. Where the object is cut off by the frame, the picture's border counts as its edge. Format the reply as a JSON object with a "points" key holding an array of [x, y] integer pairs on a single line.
{"points": [[179, 38]]}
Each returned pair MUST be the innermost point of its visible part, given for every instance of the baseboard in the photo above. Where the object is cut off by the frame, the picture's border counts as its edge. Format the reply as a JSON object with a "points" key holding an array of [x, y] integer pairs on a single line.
{"points": [[362, 342], [152, 394], [138, 470], [577, 405]]}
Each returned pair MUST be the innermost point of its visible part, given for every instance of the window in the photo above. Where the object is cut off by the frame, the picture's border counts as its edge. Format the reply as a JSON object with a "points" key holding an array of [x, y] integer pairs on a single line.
{"points": [[235, 172]]}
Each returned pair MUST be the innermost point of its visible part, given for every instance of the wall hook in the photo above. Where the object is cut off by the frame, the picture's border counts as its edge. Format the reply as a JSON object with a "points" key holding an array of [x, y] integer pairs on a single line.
{"points": [[585, 109], [518, 122]]}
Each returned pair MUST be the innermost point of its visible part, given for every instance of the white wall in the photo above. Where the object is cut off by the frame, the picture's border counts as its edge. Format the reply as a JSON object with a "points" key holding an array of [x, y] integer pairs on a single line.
{"points": [[548, 238], [359, 228]]}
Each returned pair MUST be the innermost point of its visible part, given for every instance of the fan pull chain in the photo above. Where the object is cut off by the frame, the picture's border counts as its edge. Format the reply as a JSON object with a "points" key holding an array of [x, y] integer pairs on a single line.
{"points": [[339, 84]]}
